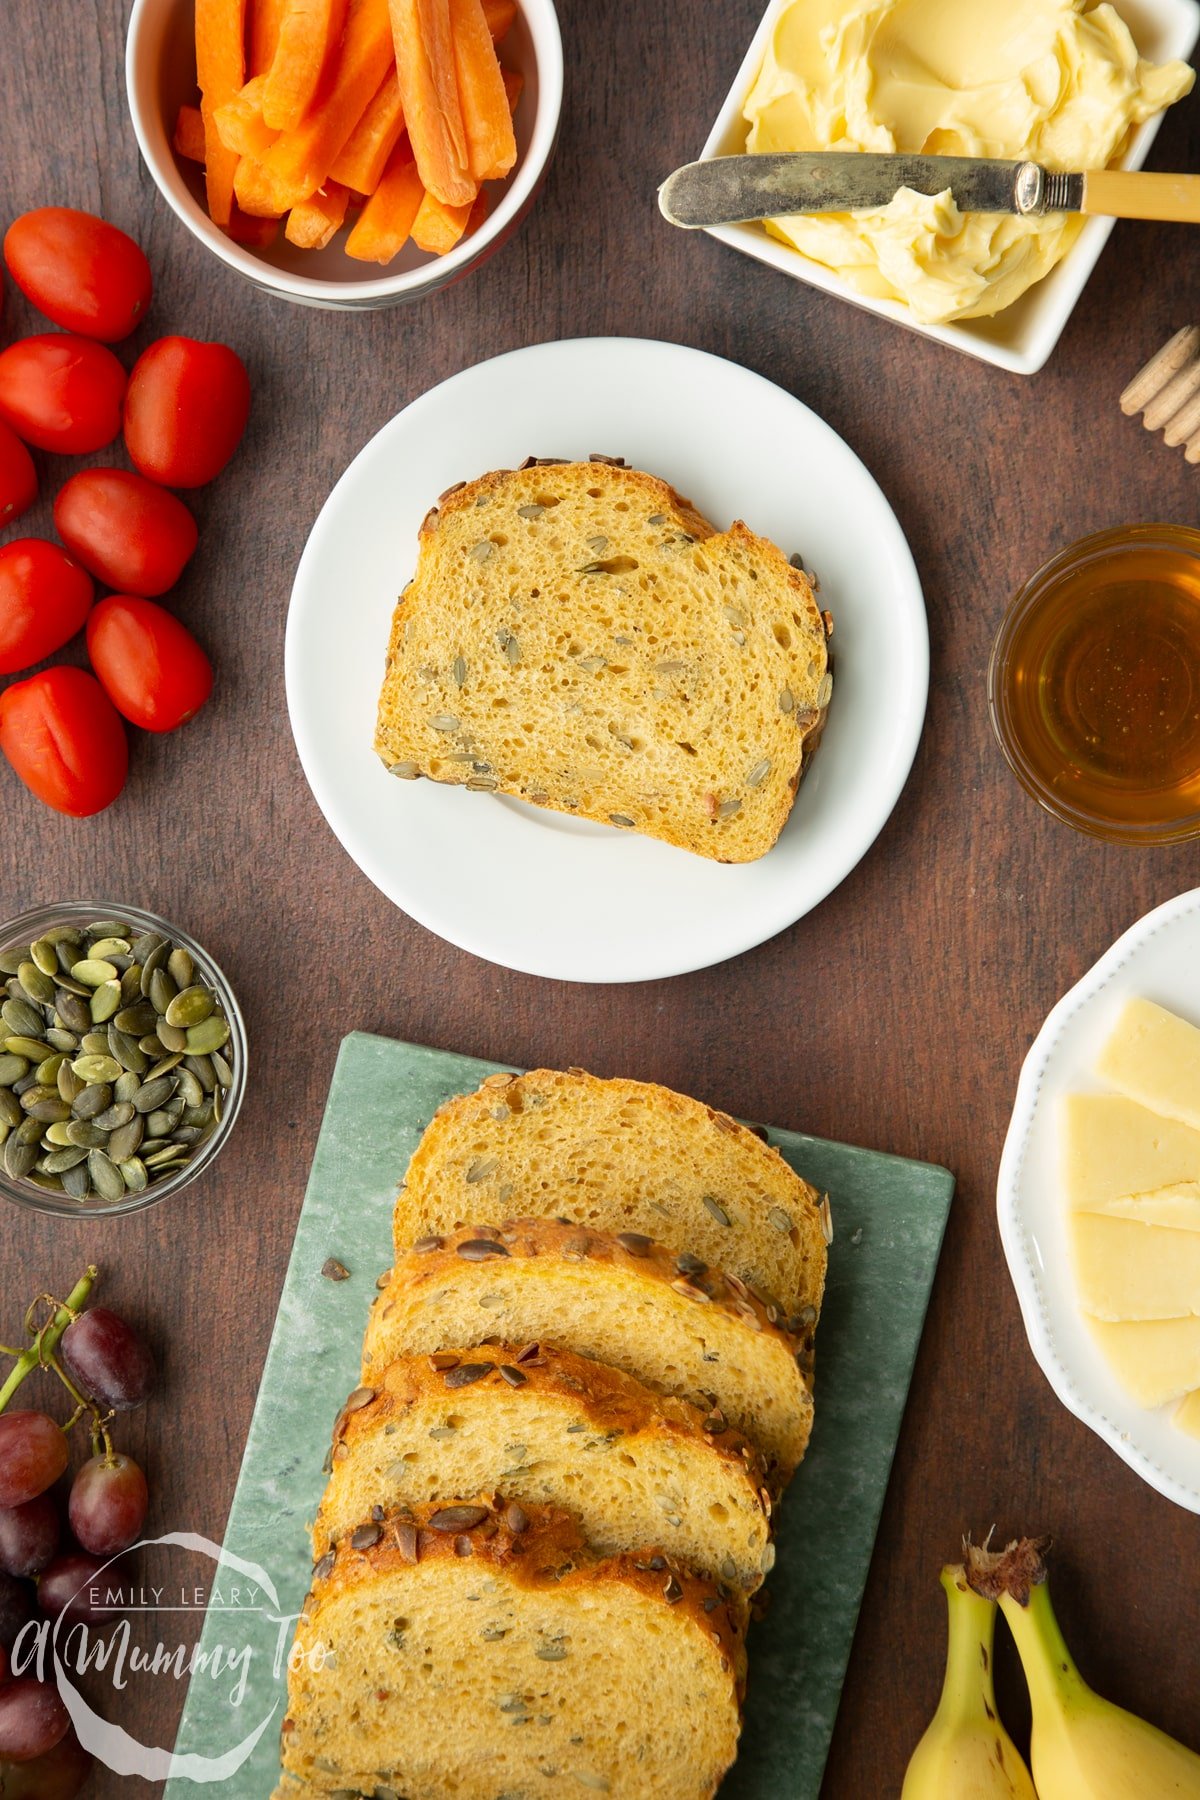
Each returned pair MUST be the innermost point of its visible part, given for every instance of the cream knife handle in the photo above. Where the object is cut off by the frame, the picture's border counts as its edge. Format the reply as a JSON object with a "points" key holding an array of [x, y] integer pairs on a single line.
{"points": [[1123, 194]]}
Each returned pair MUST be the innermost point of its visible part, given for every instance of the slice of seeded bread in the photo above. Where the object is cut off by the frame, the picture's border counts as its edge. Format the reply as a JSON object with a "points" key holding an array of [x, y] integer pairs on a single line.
{"points": [[621, 1156], [544, 1427], [670, 1322], [578, 636], [457, 1651]]}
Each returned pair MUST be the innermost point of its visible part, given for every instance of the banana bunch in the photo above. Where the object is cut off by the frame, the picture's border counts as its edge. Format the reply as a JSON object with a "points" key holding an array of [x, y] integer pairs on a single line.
{"points": [[1082, 1747]]}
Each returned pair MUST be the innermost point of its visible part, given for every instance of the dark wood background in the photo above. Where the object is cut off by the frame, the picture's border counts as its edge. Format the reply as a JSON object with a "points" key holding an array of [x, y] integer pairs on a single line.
{"points": [[896, 1015]]}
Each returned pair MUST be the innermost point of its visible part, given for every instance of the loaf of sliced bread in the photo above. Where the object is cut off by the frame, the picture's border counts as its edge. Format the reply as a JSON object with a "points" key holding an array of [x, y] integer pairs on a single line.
{"points": [[547, 1428], [621, 1156], [578, 636], [673, 1324], [457, 1651]]}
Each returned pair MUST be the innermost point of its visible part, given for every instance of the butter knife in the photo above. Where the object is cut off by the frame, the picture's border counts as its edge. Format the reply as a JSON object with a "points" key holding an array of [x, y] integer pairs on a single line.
{"points": [[729, 190]]}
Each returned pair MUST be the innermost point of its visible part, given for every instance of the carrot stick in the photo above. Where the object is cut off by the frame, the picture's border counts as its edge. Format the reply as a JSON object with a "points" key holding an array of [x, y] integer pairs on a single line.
{"points": [[311, 224], [310, 34], [220, 71], [384, 224], [240, 123], [514, 86], [258, 234], [188, 141], [364, 155], [438, 227], [499, 15], [300, 161], [429, 91], [491, 146], [266, 16], [256, 191]]}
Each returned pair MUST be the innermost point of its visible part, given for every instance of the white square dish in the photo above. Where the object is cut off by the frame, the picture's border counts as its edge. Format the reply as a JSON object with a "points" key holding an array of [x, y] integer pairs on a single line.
{"points": [[1022, 337]]}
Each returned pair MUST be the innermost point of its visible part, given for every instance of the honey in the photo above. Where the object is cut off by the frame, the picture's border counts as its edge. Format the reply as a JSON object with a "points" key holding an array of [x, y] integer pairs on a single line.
{"points": [[1095, 684]]}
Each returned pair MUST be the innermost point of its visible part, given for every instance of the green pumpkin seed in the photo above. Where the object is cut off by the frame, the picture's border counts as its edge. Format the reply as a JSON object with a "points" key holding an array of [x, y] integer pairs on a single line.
{"points": [[10, 1108], [12, 1068], [31, 1049], [95, 1099], [126, 1086], [198, 1116], [47, 1072], [163, 1066], [118, 1114], [126, 1052], [171, 1037], [107, 946], [153, 1094], [192, 1007], [61, 1160], [68, 1083], [37, 983], [181, 968], [145, 945], [19, 1158], [105, 1176], [102, 928], [57, 1135], [11, 960], [105, 1002], [85, 1135], [44, 956], [161, 1123], [203, 1070], [126, 1139], [162, 990], [173, 1153], [189, 1089], [49, 1112], [136, 1021], [77, 1182], [75, 1014], [93, 970], [131, 984], [210, 1034], [91, 1068], [153, 960], [94, 1043], [23, 1019], [133, 1174], [29, 1131], [65, 1041], [151, 1044]]}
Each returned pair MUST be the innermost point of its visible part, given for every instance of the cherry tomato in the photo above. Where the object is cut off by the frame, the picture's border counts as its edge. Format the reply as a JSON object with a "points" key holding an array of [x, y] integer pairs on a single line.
{"points": [[64, 737], [61, 393], [18, 477], [44, 599], [185, 410], [131, 534], [149, 665], [80, 271]]}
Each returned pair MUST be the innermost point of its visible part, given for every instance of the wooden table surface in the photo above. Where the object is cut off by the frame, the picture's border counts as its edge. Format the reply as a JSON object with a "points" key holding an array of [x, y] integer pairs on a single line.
{"points": [[896, 1015]]}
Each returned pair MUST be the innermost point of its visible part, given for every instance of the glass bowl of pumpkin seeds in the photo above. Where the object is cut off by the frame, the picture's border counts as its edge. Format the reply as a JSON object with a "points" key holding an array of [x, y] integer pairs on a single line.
{"points": [[122, 1059]]}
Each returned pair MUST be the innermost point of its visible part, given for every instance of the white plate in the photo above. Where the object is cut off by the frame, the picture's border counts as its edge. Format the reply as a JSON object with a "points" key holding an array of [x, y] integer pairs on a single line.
{"points": [[1160, 959], [529, 888], [1022, 337]]}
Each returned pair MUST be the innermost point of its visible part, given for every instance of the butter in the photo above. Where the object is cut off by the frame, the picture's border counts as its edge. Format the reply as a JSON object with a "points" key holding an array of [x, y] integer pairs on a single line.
{"points": [[1154, 1057], [1046, 79], [1127, 1270]]}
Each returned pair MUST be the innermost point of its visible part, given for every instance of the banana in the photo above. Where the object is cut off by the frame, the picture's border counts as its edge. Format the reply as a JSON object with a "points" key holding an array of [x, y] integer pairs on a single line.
{"points": [[1083, 1747], [966, 1754]]}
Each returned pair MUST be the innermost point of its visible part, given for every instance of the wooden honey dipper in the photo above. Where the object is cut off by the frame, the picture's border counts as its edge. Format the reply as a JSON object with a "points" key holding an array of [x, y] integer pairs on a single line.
{"points": [[1167, 392]]}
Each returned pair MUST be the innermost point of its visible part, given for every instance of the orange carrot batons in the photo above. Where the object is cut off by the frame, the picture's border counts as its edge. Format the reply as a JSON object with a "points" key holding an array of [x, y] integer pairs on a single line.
{"points": [[311, 224], [310, 35], [240, 123], [188, 140], [491, 146], [220, 71], [301, 161], [438, 227], [364, 155], [385, 222], [262, 34], [429, 92], [499, 15]]}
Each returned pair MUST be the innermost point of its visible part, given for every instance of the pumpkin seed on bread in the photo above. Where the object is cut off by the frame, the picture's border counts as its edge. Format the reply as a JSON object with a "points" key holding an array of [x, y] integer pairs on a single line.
{"points": [[620, 1156], [463, 1651], [545, 1427], [675, 1325], [580, 637]]}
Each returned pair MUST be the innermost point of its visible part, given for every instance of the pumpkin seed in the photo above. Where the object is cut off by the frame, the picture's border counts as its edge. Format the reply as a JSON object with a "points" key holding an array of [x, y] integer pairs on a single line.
{"points": [[57, 1135], [787, 700], [782, 1221], [126, 1139], [61, 1160], [83, 1133], [210, 1034], [444, 722], [91, 1068], [126, 1053], [125, 1086], [93, 970], [191, 1007], [37, 983], [153, 1094], [171, 1037], [163, 1066], [68, 1083], [133, 1174], [145, 946], [30, 1050], [759, 773], [10, 1108], [75, 1013], [153, 960], [105, 1176], [18, 1158], [181, 968], [47, 1071], [107, 941], [221, 1069], [44, 955], [136, 1020], [203, 1070], [481, 551], [162, 990], [12, 1068], [62, 1040], [530, 512], [728, 808], [105, 1002], [23, 1019], [118, 1114], [459, 670], [77, 1182]]}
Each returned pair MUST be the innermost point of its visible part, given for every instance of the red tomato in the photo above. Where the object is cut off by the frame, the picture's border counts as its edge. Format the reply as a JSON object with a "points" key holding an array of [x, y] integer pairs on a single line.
{"points": [[80, 271], [61, 393], [185, 410], [149, 665], [63, 736], [131, 534], [18, 477], [44, 599]]}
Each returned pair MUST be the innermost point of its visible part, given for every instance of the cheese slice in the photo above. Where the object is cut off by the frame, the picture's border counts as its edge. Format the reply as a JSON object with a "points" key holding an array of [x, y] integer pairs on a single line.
{"points": [[1126, 1270], [1156, 1360], [1153, 1057], [1112, 1147], [1174, 1208], [1187, 1416]]}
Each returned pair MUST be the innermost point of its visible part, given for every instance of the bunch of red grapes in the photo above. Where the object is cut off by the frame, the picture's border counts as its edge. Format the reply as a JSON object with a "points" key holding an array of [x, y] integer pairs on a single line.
{"points": [[48, 1564]]}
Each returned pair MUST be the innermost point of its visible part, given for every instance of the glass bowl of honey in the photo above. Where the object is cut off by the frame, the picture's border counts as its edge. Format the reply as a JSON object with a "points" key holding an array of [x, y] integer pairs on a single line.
{"points": [[1094, 685]]}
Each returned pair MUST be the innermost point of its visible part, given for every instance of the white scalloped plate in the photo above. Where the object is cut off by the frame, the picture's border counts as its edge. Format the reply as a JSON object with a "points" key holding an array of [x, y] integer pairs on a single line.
{"points": [[1159, 958]]}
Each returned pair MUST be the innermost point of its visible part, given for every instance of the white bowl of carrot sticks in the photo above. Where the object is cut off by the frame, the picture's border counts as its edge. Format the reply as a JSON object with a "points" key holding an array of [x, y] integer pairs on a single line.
{"points": [[347, 153]]}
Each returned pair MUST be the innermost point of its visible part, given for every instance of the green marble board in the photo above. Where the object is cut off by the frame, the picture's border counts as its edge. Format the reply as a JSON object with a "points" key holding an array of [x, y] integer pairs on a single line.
{"points": [[889, 1215]]}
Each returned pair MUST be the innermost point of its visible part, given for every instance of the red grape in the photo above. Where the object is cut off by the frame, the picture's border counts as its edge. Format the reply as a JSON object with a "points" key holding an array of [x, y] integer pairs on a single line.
{"points": [[28, 1536], [16, 1607], [32, 1719], [33, 1454], [108, 1504], [59, 1775], [108, 1358], [65, 1586]]}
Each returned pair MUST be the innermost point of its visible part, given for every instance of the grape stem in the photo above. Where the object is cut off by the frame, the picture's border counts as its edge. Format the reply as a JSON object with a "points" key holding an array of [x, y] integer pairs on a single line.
{"points": [[47, 1339]]}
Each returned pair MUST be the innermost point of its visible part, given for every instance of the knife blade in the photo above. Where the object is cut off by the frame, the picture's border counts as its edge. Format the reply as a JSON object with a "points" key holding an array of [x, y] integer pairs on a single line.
{"points": [[731, 190]]}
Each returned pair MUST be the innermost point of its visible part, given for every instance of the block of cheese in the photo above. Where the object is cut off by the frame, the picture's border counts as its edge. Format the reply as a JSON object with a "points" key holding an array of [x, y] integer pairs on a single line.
{"points": [[1187, 1414], [1126, 1270], [1112, 1147], [1175, 1208], [1156, 1360], [1153, 1057]]}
